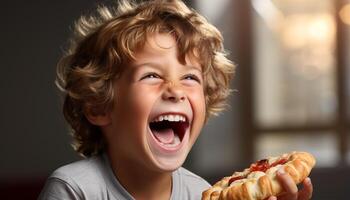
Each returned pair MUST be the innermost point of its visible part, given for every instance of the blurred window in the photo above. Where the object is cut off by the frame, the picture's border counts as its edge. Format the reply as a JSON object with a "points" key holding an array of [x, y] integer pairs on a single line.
{"points": [[296, 80], [294, 62], [322, 145]]}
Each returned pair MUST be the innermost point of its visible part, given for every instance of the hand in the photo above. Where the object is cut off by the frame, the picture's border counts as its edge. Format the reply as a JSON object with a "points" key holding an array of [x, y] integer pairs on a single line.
{"points": [[291, 189]]}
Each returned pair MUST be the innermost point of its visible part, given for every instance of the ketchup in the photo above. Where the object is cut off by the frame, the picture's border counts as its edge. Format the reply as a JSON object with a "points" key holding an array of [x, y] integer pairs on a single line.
{"points": [[279, 162], [262, 166], [233, 179]]}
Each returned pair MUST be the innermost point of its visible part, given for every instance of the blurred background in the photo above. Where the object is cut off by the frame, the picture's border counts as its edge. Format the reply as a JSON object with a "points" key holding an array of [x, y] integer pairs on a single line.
{"points": [[291, 90]]}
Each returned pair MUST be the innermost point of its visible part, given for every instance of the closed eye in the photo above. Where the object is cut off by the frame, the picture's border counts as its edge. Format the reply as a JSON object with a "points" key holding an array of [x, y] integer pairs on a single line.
{"points": [[192, 77], [150, 76]]}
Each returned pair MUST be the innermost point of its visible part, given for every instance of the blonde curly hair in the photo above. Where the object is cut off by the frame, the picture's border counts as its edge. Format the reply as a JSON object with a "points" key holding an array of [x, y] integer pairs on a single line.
{"points": [[106, 41]]}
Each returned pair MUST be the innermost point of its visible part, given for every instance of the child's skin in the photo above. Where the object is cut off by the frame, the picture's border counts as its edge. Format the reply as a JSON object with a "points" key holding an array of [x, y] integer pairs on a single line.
{"points": [[157, 83], [291, 190]]}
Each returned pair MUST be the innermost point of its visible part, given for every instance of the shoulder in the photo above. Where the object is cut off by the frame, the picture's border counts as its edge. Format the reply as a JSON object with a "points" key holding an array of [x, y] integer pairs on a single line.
{"points": [[190, 185], [77, 179], [189, 177], [88, 168]]}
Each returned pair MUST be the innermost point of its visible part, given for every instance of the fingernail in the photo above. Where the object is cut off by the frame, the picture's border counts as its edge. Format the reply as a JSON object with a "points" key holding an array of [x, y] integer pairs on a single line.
{"points": [[281, 171], [308, 181]]}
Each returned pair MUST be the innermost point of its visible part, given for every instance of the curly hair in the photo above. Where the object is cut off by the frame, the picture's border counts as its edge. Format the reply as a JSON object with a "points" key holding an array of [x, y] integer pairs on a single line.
{"points": [[106, 41]]}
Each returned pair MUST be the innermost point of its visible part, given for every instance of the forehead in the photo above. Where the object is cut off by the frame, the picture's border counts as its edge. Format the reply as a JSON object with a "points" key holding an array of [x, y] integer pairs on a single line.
{"points": [[161, 41], [162, 48]]}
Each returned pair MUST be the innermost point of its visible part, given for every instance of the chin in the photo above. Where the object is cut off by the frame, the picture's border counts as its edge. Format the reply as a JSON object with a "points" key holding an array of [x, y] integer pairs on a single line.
{"points": [[170, 164]]}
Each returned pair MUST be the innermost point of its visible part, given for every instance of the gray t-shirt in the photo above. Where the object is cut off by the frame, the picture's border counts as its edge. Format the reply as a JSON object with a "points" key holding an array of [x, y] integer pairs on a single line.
{"points": [[93, 178]]}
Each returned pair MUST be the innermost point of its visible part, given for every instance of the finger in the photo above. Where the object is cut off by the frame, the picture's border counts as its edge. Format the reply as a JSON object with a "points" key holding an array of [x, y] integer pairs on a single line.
{"points": [[272, 198], [288, 184], [306, 192]]}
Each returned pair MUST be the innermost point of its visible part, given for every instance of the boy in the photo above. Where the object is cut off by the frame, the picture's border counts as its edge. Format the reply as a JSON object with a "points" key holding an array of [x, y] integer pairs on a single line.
{"points": [[139, 84]]}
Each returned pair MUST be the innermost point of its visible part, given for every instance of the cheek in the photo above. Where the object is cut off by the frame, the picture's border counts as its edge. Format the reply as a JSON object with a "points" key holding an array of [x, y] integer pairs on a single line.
{"points": [[136, 104], [130, 115], [199, 98], [201, 104], [198, 104], [142, 100]]}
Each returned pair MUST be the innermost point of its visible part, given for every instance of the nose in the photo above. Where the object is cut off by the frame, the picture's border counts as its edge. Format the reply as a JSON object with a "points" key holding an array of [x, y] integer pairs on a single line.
{"points": [[173, 93]]}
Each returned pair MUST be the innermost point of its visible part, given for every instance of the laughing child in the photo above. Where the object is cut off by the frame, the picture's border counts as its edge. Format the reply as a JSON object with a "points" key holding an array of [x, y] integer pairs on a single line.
{"points": [[139, 81]]}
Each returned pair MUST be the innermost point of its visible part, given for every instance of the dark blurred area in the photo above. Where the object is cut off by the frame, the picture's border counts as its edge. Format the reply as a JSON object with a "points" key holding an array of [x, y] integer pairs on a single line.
{"points": [[291, 90]]}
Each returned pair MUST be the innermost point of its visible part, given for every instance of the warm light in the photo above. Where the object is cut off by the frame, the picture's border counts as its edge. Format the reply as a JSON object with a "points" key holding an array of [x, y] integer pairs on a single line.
{"points": [[344, 14], [322, 28], [269, 13], [301, 30], [309, 40], [294, 33]]}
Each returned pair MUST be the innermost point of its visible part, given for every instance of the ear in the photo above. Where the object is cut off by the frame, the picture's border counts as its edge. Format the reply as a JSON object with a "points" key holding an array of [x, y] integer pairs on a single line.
{"points": [[97, 118]]}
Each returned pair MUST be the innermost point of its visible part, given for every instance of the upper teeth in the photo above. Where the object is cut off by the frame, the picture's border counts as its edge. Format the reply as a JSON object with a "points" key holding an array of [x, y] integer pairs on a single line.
{"points": [[171, 118]]}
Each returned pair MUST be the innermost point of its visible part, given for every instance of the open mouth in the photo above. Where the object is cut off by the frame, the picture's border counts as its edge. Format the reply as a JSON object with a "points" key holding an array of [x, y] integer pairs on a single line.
{"points": [[169, 129]]}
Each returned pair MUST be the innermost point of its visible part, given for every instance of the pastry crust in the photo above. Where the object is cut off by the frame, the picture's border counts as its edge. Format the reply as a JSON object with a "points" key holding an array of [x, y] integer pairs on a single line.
{"points": [[259, 181]]}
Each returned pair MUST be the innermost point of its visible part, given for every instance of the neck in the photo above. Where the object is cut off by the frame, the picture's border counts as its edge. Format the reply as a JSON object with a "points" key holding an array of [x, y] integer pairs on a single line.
{"points": [[142, 183]]}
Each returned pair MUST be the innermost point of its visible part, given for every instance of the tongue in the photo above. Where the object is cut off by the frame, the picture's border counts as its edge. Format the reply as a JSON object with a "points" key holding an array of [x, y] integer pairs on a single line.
{"points": [[165, 136]]}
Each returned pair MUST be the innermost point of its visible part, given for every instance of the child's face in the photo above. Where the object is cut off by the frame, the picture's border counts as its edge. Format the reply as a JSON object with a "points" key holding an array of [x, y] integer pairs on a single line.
{"points": [[159, 107]]}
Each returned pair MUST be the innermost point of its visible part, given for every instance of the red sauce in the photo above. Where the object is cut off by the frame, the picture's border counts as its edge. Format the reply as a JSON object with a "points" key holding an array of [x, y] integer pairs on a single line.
{"points": [[233, 179], [279, 162], [262, 166]]}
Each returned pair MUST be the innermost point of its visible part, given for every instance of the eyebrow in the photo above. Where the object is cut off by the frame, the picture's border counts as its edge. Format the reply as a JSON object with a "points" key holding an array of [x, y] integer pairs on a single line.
{"points": [[156, 65]]}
